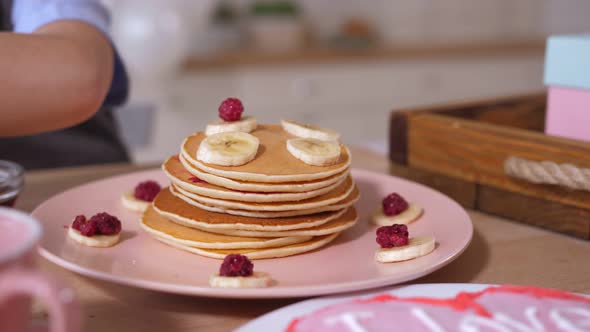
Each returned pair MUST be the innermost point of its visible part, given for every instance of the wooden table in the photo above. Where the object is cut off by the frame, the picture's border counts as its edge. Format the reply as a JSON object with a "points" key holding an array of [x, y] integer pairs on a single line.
{"points": [[501, 252]]}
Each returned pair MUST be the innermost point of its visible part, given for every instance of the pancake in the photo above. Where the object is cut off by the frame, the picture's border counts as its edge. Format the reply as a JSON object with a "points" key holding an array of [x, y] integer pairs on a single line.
{"points": [[339, 193], [343, 222], [178, 211], [285, 251], [340, 205], [257, 186], [273, 163], [178, 175], [158, 226]]}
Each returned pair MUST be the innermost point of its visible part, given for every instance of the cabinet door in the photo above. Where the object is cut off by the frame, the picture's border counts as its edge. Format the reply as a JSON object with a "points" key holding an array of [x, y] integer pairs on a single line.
{"points": [[327, 84]]}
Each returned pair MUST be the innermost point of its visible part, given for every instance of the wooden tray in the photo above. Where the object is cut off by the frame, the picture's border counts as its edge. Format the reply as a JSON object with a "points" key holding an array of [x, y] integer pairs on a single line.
{"points": [[461, 150]]}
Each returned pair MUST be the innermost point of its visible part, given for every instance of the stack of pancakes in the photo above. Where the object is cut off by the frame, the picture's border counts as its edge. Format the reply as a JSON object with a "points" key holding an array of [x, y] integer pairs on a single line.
{"points": [[273, 206]]}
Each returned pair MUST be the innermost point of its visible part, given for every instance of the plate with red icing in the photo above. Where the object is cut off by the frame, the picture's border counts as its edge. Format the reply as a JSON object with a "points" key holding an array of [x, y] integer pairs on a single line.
{"points": [[345, 265], [435, 308]]}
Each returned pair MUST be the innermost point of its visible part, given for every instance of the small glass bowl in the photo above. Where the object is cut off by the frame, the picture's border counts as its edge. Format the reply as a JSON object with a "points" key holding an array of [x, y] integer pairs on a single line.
{"points": [[12, 180]]}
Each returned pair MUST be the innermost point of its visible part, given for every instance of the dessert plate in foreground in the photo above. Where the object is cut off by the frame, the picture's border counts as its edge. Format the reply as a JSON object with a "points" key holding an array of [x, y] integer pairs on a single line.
{"points": [[345, 265], [434, 307]]}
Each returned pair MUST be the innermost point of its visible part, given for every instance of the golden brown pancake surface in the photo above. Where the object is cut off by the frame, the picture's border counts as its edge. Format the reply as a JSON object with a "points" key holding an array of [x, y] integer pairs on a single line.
{"points": [[272, 158]]}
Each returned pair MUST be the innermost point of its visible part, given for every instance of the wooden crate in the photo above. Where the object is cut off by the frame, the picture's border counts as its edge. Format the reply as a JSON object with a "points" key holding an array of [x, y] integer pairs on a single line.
{"points": [[461, 149]]}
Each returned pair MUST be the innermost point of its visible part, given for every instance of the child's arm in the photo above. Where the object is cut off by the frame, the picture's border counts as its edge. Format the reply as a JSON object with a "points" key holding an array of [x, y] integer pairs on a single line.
{"points": [[53, 78]]}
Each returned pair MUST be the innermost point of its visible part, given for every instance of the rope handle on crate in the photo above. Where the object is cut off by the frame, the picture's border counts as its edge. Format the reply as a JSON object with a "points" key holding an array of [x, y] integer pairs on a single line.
{"points": [[548, 172]]}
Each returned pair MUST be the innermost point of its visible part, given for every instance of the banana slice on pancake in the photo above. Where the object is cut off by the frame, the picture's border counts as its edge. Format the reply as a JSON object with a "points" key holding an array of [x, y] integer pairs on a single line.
{"points": [[309, 131], [256, 280], [228, 149], [417, 246], [314, 152], [246, 125]]}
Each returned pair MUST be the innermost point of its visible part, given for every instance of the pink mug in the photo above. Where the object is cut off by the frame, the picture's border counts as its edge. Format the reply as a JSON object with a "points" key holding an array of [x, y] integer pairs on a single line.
{"points": [[20, 282]]}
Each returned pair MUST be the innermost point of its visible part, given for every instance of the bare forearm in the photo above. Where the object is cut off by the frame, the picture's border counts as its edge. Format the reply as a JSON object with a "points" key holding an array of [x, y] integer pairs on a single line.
{"points": [[54, 78]]}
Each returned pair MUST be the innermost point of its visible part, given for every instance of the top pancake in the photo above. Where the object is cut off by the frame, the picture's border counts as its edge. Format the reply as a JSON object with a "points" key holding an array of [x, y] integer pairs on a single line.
{"points": [[273, 163]]}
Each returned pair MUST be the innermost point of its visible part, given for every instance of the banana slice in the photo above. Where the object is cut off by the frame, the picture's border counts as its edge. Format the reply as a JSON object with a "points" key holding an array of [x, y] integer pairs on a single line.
{"points": [[246, 125], [417, 246], [314, 151], [228, 149], [256, 280], [100, 241], [131, 203], [309, 131], [412, 213]]}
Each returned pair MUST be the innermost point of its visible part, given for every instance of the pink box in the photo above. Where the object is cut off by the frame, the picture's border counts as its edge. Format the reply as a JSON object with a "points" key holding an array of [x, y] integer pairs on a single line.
{"points": [[568, 113]]}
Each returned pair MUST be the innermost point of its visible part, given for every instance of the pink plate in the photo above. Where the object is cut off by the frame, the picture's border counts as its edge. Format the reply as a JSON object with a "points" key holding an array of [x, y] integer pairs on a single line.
{"points": [[278, 320], [345, 265]]}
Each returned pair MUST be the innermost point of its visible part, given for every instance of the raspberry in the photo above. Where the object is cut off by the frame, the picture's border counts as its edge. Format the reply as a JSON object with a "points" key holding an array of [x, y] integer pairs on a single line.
{"points": [[231, 109], [89, 228], [78, 222], [106, 224], [395, 235], [147, 190], [236, 265], [394, 204]]}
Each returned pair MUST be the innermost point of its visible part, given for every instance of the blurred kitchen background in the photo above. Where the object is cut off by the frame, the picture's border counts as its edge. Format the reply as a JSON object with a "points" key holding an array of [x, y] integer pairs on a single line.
{"points": [[343, 64]]}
